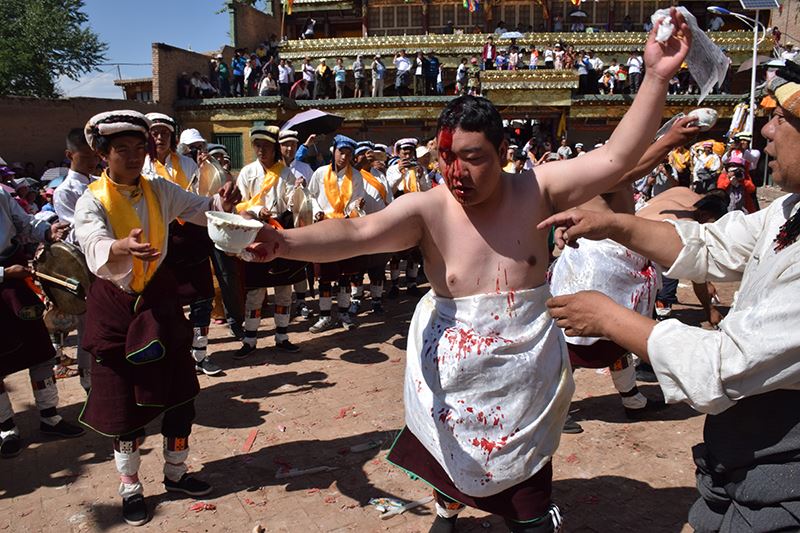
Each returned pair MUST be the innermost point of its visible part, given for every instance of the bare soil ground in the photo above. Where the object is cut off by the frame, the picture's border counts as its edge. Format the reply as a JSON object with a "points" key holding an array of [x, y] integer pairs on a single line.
{"points": [[276, 411]]}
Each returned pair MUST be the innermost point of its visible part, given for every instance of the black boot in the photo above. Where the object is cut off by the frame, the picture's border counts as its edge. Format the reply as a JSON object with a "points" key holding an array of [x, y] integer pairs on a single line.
{"points": [[443, 525], [134, 510]]}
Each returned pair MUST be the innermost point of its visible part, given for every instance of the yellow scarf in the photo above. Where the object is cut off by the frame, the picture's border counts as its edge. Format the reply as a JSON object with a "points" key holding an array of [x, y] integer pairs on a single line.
{"points": [[411, 181], [336, 197], [271, 176], [375, 182], [177, 176], [123, 219]]}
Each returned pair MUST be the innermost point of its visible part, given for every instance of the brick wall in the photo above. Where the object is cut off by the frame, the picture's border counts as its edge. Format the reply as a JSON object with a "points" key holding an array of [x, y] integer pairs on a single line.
{"points": [[168, 64], [252, 27], [35, 128]]}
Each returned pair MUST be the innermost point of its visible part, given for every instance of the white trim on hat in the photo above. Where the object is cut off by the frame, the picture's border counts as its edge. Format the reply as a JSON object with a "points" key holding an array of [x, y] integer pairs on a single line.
{"points": [[160, 119], [113, 122], [191, 136]]}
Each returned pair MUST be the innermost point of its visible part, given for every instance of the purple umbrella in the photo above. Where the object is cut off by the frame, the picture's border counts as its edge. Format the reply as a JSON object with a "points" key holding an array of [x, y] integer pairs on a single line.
{"points": [[313, 121]]}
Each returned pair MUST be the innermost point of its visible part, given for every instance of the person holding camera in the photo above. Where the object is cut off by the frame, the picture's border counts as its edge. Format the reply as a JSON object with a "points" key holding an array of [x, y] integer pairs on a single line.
{"points": [[736, 181]]}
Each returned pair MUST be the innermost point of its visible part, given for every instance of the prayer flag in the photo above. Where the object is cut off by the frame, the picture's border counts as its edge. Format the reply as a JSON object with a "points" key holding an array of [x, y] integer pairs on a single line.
{"points": [[288, 6]]}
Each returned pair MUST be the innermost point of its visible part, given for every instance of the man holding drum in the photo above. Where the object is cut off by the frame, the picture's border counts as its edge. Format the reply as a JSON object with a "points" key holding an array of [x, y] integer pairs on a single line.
{"points": [[26, 341]]}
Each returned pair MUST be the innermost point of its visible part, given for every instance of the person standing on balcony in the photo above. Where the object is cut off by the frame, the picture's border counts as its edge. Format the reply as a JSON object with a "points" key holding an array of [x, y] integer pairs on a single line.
{"points": [[358, 75], [378, 75], [489, 53], [237, 65], [284, 81], [340, 78], [635, 70], [323, 77], [223, 76], [308, 75], [403, 65], [420, 65], [431, 73]]}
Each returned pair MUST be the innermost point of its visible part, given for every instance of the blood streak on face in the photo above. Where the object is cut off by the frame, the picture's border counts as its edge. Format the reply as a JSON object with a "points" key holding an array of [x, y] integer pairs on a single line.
{"points": [[452, 166]]}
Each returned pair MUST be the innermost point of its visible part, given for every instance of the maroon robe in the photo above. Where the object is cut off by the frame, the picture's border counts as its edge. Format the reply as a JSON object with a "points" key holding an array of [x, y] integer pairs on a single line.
{"points": [[141, 355]]}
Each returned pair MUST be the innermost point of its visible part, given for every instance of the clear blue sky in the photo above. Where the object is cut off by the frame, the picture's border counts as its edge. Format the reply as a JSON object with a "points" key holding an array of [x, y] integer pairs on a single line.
{"points": [[129, 27]]}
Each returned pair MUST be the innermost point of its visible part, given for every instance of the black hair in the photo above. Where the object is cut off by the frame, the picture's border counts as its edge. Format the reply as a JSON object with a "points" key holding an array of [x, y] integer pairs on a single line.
{"points": [[103, 143], [76, 140], [714, 202], [471, 113]]}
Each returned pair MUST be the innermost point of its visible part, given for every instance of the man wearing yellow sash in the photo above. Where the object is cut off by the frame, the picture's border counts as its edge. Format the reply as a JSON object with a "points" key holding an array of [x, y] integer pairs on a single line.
{"points": [[405, 176], [135, 328], [290, 141], [266, 186], [190, 245], [337, 191], [378, 194]]}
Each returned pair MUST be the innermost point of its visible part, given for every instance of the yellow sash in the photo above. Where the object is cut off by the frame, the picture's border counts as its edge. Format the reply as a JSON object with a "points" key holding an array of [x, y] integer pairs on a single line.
{"points": [[123, 219], [336, 197], [177, 176], [375, 182], [271, 177], [411, 181]]}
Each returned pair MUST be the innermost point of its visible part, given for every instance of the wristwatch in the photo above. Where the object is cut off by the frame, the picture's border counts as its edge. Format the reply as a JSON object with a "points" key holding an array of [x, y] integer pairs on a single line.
{"points": [[2, 274]]}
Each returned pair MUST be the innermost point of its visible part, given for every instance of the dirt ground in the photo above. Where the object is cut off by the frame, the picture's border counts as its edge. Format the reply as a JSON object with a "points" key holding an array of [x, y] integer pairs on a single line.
{"points": [[338, 404]]}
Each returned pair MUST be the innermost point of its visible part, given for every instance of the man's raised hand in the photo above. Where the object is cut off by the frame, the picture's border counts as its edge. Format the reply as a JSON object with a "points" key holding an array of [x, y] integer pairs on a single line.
{"points": [[664, 59], [576, 223]]}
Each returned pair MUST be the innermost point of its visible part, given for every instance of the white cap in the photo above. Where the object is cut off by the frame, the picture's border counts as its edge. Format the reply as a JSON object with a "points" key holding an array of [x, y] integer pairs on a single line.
{"points": [[191, 136]]}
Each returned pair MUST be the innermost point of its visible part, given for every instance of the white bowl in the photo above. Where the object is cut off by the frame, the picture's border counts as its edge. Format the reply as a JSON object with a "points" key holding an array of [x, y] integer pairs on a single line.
{"points": [[231, 233], [706, 117]]}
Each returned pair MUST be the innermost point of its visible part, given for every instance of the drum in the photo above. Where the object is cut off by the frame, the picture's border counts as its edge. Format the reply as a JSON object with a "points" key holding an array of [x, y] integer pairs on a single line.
{"points": [[61, 269]]}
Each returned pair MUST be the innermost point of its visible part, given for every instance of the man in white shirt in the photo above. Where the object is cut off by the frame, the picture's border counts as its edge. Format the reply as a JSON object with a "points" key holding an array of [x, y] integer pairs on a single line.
{"points": [[378, 195], [190, 246], [26, 343], [564, 151], [289, 141], [707, 166], [266, 186], [82, 162], [635, 63], [337, 191], [745, 375], [284, 78], [402, 65]]}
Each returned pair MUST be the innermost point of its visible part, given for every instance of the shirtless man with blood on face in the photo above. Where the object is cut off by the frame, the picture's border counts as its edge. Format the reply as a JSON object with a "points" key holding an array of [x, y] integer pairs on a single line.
{"points": [[488, 381]]}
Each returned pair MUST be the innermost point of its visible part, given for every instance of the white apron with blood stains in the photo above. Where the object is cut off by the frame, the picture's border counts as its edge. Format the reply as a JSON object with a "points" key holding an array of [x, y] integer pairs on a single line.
{"points": [[626, 277], [488, 386]]}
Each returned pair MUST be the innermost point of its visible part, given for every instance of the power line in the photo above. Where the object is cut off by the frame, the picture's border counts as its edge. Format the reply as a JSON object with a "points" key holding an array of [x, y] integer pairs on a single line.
{"points": [[125, 64]]}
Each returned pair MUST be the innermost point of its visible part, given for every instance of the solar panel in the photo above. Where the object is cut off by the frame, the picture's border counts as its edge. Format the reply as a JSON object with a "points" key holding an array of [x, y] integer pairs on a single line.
{"points": [[759, 4]]}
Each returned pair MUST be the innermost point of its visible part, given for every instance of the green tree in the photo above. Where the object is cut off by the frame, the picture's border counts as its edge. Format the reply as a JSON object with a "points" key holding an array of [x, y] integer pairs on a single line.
{"points": [[41, 40]]}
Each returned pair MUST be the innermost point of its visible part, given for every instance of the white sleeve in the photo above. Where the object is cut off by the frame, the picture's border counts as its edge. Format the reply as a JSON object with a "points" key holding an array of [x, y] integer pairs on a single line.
{"points": [[184, 204], [313, 191], [64, 200], [95, 235], [756, 350], [718, 251]]}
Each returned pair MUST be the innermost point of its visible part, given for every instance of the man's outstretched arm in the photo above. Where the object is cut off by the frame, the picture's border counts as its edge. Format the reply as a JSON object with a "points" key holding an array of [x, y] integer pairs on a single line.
{"points": [[573, 182], [397, 227]]}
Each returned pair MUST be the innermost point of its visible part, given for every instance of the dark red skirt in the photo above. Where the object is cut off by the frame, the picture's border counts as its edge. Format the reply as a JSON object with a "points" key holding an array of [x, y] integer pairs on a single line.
{"points": [[26, 342], [330, 272], [601, 354], [188, 256], [273, 274], [523, 502], [141, 359]]}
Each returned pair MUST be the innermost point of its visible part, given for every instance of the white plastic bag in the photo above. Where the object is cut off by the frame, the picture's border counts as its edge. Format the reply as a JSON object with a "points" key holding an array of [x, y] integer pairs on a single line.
{"points": [[707, 64]]}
